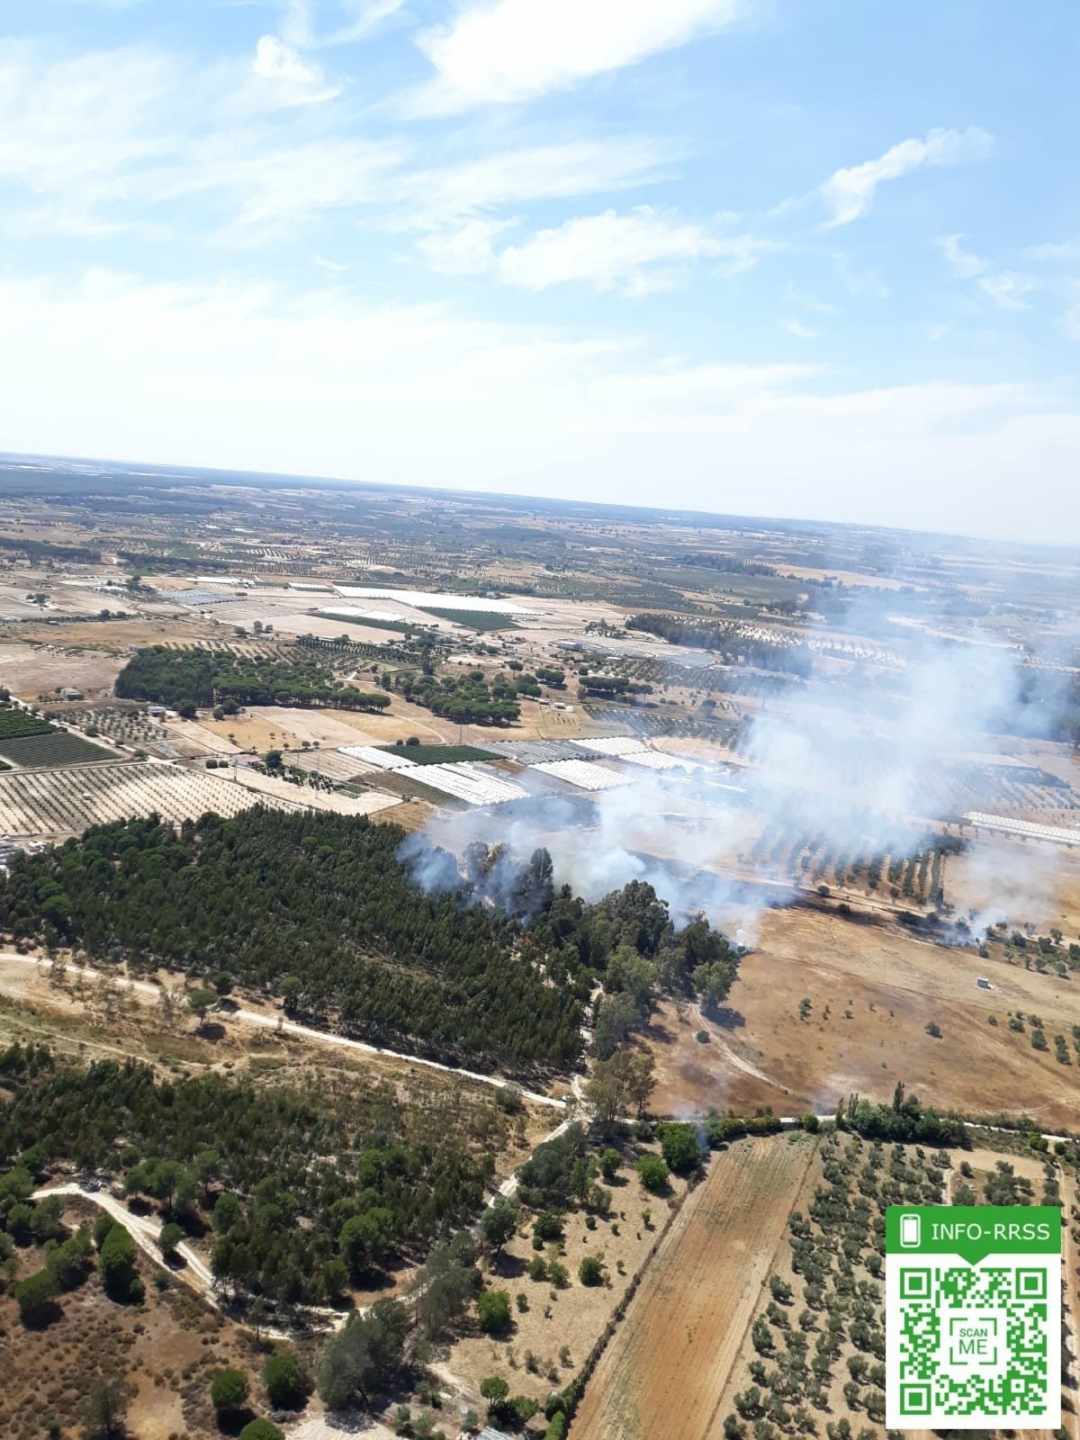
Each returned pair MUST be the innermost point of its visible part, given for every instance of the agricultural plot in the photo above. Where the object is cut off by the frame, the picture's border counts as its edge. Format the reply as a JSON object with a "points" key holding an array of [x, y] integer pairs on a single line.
{"points": [[445, 754], [379, 759], [481, 620], [657, 760], [584, 774], [614, 745], [374, 618], [533, 752], [54, 748], [668, 1364], [306, 797], [15, 723], [331, 763], [429, 600], [66, 802], [674, 723], [472, 783]]}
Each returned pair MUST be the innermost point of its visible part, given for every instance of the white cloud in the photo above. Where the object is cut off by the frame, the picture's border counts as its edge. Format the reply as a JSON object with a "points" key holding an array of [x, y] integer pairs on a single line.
{"points": [[269, 187], [321, 383], [501, 51], [635, 254], [964, 263], [430, 198], [1007, 289], [1053, 252], [849, 193], [465, 250], [800, 330], [294, 80], [79, 121], [356, 20]]}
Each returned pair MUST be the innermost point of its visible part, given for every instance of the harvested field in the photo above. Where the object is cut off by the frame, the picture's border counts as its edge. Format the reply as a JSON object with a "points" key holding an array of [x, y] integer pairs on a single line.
{"points": [[32, 670], [66, 802], [873, 992], [667, 1366]]}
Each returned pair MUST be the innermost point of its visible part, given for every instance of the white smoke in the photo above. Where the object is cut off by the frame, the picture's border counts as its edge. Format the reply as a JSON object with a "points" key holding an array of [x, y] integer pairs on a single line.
{"points": [[863, 758]]}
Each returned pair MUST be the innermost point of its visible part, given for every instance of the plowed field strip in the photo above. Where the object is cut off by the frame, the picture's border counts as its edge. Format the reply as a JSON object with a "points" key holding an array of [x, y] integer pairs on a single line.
{"points": [[667, 1367]]}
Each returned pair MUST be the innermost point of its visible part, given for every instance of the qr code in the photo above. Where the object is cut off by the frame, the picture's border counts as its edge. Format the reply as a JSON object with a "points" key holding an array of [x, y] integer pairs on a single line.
{"points": [[973, 1340]]}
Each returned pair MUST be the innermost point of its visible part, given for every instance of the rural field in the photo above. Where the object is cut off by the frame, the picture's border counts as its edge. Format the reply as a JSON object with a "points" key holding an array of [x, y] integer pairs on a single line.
{"points": [[873, 991], [666, 1369], [560, 1326], [65, 802]]}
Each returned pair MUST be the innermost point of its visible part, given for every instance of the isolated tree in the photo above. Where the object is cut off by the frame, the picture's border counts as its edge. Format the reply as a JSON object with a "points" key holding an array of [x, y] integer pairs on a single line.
{"points": [[681, 1148], [200, 1001], [610, 1161], [262, 1430], [591, 1270], [116, 1259], [494, 1389], [653, 1173], [493, 1312], [499, 1223], [106, 1411], [286, 1381], [171, 1236], [229, 1391], [35, 1297]]}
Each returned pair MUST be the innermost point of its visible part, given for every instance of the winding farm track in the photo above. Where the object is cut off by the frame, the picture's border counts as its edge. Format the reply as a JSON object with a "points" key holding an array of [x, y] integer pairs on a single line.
{"points": [[305, 1032]]}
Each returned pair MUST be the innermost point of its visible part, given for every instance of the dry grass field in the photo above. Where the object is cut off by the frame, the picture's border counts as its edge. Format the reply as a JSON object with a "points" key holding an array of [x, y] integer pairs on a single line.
{"points": [[873, 991], [667, 1367], [572, 1318]]}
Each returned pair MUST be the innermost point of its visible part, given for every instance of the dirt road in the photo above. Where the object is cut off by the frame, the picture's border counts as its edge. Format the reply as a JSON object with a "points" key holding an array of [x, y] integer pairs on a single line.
{"points": [[146, 991]]}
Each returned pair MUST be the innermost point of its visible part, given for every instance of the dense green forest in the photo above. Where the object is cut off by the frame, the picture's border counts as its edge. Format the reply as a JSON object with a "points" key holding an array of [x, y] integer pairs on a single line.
{"points": [[363, 931], [466, 699], [371, 1178], [187, 679], [724, 637], [315, 908]]}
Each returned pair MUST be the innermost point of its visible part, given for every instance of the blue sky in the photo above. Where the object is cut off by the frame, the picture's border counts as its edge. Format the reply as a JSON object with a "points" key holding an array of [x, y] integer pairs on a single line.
{"points": [[769, 256]]}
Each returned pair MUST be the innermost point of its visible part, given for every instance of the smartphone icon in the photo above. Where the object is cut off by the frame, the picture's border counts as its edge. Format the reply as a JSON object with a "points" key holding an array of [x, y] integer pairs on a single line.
{"points": [[910, 1231]]}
